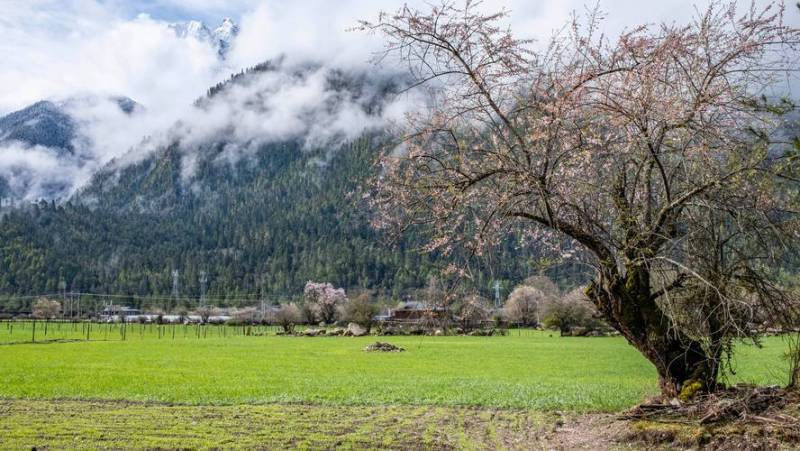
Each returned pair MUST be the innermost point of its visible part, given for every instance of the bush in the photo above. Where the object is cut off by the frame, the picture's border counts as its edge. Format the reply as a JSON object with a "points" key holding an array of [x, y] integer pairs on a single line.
{"points": [[572, 311], [45, 308], [524, 304], [287, 316], [473, 312], [307, 315], [204, 313], [361, 311], [247, 315]]}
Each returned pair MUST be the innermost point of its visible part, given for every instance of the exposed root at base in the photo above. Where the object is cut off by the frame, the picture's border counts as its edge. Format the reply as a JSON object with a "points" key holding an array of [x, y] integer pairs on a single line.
{"points": [[740, 417]]}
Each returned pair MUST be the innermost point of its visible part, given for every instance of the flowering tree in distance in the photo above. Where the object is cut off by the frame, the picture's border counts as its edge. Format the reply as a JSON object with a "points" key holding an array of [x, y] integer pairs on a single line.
{"points": [[650, 153], [325, 298], [45, 308], [524, 305]]}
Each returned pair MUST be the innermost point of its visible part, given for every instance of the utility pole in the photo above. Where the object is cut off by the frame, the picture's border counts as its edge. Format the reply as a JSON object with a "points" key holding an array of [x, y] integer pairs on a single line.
{"points": [[203, 281], [175, 291], [62, 287]]}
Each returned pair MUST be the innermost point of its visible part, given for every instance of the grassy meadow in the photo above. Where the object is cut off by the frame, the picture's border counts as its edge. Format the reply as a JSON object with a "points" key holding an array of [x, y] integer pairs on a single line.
{"points": [[216, 387], [529, 370]]}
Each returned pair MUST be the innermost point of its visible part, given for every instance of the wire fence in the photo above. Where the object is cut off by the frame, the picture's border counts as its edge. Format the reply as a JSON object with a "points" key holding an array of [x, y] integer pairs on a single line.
{"points": [[22, 331], [17, 331]]}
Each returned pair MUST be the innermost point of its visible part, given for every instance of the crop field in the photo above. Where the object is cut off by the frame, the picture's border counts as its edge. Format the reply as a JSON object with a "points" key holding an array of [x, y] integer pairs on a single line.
{"points": [[460, 390]]}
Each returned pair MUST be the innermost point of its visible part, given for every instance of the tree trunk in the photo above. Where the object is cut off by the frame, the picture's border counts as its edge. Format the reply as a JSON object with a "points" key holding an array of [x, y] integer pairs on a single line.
{"points": [[683, 364]]}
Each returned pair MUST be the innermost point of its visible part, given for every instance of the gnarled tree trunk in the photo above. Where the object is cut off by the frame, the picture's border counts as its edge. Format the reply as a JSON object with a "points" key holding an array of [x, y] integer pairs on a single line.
{"points": [[684, 366]]}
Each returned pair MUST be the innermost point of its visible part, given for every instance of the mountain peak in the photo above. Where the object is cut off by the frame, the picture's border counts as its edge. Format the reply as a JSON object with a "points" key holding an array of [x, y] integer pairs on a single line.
{"points": [[221, 38], [227, 30], [191, 29]]}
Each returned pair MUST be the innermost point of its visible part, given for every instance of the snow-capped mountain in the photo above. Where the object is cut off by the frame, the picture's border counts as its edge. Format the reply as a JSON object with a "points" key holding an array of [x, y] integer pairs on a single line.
{"points": [[52, 124], [43, 123], [221, 38], [44, 147]]}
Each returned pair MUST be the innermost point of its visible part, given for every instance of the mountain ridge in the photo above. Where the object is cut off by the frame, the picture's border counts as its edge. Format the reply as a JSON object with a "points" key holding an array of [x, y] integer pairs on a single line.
{"points": [[221, 37], [255, 215]]}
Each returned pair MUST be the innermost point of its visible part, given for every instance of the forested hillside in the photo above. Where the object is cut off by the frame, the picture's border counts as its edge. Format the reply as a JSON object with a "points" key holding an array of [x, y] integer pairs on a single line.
{"points": [[258, 224], [264, 225]]}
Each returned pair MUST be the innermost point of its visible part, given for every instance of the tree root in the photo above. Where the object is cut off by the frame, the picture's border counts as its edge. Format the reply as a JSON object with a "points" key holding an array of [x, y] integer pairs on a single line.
{"points": [[738, 403]]}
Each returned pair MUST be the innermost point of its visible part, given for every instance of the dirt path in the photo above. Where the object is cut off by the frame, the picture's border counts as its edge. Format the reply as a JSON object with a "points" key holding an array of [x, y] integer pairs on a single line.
{"points": [[587, 432]]}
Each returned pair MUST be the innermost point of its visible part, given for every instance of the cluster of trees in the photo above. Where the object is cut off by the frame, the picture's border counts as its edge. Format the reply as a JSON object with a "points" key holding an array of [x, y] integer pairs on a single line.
{"points": [[326, 304], [538, 302]]}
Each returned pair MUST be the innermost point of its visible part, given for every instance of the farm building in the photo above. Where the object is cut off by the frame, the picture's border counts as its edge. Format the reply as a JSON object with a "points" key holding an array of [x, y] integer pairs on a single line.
{"points": [[415, 311], [117, 313]]}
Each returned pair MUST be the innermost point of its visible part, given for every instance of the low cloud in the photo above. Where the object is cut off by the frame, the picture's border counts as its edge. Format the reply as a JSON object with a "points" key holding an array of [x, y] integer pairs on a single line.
{"points": [[322, 106], [39, 172], [61, 49]]}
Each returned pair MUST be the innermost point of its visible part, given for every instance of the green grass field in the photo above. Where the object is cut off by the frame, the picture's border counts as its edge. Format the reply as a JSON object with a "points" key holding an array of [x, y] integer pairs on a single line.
{"points": [[217, 388], [534, 370]]}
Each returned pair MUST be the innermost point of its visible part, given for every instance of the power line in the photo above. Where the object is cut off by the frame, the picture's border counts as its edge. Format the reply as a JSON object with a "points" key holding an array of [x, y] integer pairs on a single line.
{"points": [[242, 297]]}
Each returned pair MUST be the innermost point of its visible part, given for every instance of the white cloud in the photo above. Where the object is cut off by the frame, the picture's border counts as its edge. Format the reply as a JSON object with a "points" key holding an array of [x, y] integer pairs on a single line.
{"points": [[38, 172], [290, 102], [53, 48], [64, 48]]}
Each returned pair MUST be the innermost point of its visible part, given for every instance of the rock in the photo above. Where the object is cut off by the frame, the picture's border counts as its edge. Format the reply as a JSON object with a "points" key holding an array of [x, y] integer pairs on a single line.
{"points": [[383, 347], [355, 330], [438, 333], [337, 331], [481, 333], [578, 331], [313, 332]]}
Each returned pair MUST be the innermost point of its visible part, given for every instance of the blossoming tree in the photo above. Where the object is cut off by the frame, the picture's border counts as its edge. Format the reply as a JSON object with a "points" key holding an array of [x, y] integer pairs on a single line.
{"points": [[325, 298], [652, 153]]}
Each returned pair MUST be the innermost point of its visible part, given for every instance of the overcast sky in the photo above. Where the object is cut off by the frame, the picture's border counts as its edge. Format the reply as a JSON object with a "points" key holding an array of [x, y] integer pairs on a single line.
{"points": [[60, 48]]}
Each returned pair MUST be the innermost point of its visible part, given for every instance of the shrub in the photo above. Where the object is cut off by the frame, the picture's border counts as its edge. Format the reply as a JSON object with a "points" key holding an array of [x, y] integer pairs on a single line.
{"points": [[524, 305], [45, 308], [204, 313], [361, 310], [287, 316], [571, 311], [473, 312], [247, 315], [307, 314]]}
